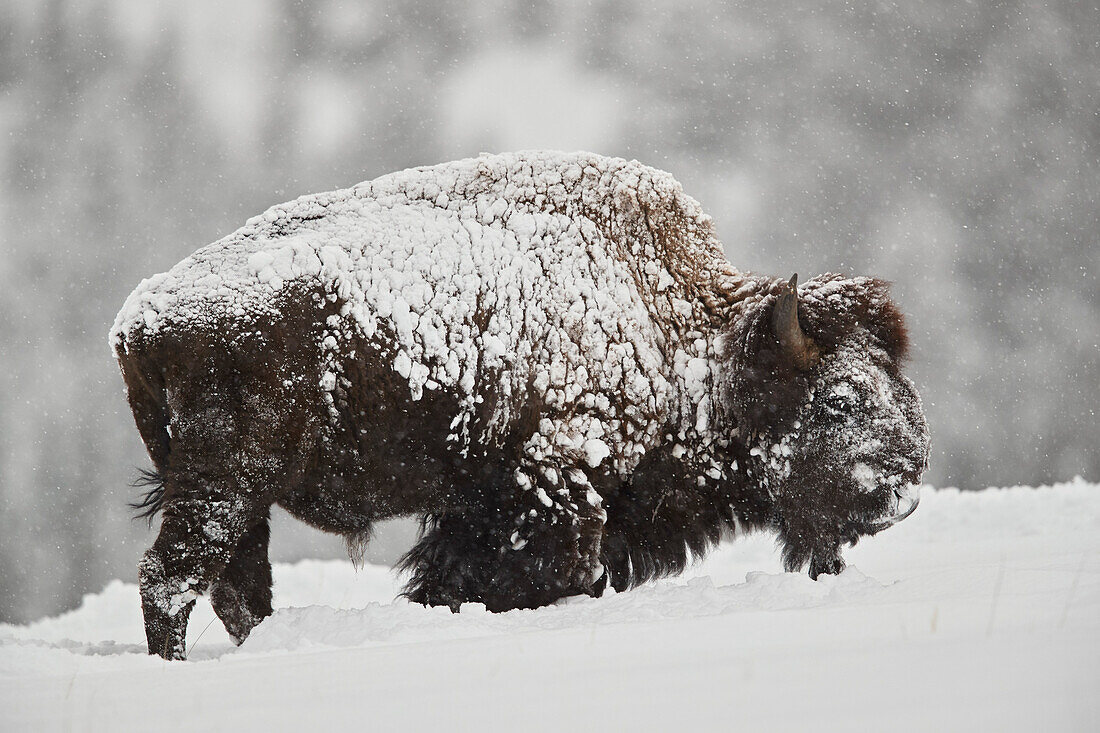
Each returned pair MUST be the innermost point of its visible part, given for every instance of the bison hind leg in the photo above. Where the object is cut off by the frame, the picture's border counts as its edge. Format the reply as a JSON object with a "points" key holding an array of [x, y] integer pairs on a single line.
{"points": [[241, 596], [242, 433], [197, 541]]}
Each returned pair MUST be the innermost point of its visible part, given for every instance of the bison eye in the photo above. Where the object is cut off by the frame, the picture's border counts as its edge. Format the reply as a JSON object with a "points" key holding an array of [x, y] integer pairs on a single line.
{"points": [[839, 403]]}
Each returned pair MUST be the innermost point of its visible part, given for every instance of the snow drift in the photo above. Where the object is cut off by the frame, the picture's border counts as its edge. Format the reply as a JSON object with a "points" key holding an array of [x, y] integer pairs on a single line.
{"points": [[982, 610]]}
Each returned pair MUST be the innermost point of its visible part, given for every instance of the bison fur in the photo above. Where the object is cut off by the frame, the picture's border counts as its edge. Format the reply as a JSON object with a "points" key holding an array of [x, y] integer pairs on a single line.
{"points": [[545, 357]]}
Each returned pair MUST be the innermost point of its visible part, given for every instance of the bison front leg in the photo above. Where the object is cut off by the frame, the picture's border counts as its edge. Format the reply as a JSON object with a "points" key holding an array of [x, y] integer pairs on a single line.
{"points": [[452, 562], [804, 546], [241, 596], [196, 541], [826, 562], [522, 545], [553, 541]]}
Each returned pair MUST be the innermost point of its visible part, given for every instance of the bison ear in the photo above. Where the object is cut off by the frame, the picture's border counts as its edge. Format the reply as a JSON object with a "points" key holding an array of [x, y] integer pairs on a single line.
{"points": [[799, 347]]}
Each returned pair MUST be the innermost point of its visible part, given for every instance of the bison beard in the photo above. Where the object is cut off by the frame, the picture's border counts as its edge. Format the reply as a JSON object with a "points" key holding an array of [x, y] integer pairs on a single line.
{"points": [[545, 357]]}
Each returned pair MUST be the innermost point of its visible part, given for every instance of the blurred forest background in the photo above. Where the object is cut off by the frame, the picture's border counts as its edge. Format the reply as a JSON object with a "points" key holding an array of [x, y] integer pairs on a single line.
{"points": [[953, 147]]}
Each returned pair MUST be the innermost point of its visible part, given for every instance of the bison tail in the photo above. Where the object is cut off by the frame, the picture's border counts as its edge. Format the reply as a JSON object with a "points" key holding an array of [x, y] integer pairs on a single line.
{"points": [[152, 500], [145, 392]]}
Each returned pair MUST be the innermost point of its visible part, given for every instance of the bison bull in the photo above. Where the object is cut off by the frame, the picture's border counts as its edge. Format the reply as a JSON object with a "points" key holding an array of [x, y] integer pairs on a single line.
{"points": [[545, 357]]}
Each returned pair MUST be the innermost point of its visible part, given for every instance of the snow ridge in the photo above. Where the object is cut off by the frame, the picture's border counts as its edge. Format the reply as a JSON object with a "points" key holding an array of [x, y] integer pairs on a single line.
{"points": [[984, 604]]}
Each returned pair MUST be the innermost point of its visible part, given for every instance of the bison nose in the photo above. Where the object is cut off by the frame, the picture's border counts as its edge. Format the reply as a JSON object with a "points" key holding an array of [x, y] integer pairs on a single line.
{"points": [[907, 498]]}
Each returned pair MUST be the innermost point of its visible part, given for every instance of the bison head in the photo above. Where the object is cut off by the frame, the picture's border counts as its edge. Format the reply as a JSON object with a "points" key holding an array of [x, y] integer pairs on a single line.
{"points": [[836, 433]]}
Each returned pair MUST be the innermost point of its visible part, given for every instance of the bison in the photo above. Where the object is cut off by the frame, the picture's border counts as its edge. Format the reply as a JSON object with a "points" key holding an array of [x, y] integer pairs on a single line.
{"points": [[544, 356]]}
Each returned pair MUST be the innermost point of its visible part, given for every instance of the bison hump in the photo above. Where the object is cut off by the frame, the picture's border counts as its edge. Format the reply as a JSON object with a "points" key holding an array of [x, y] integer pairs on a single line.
{"points": [[535, 266]]}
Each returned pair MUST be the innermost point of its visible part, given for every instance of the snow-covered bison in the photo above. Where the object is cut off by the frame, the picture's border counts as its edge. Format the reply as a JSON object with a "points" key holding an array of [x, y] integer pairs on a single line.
{"points": [[544, 356]]}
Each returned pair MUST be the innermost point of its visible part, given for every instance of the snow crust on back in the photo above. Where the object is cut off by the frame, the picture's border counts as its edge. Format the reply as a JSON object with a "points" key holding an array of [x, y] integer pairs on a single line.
{"points": [[572, 273]]}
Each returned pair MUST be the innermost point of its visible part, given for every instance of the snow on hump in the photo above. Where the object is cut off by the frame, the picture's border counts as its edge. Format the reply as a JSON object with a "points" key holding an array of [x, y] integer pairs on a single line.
{"points": [[545, 243]]}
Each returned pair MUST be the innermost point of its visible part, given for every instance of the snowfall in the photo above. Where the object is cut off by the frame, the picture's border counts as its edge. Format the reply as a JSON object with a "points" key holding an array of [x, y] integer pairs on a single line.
{"points": [[979, 612]]}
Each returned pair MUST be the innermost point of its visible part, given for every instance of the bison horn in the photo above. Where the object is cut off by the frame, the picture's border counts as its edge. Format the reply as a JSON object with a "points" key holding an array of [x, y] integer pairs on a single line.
{"points": [[800, 347]]}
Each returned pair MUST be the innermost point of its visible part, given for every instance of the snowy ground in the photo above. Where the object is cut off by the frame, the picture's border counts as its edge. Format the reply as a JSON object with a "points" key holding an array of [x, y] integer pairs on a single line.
{"points": [[980, 612]]}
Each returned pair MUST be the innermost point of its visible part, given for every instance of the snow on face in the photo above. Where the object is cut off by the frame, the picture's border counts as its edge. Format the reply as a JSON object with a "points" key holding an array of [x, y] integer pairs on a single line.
{"points": [[864, 425], [503, 273], [864, 477]]}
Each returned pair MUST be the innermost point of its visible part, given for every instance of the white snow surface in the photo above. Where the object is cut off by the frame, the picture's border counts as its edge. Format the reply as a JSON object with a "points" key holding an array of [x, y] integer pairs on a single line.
{"points": [[979, 612]]}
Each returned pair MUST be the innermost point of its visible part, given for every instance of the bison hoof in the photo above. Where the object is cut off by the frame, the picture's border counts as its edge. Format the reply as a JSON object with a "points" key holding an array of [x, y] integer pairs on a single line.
{"points": [[600, 584], [831, 564], [166, 640]]}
